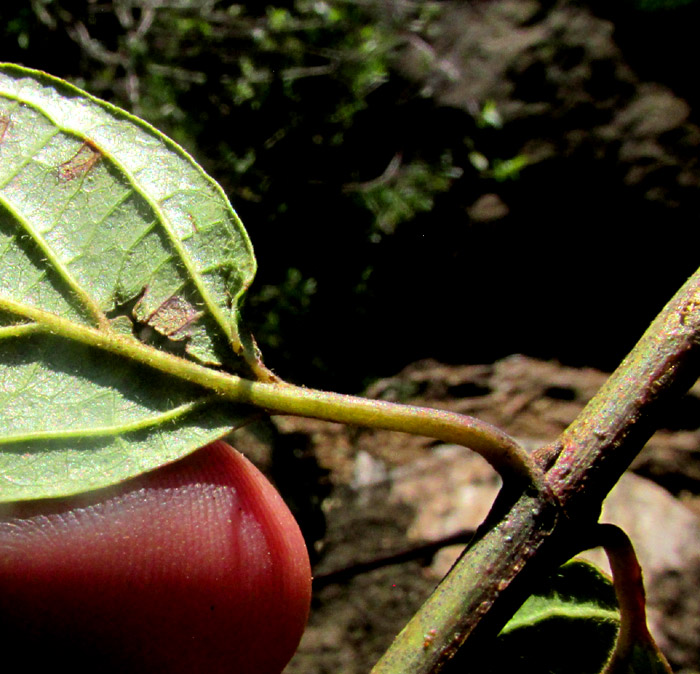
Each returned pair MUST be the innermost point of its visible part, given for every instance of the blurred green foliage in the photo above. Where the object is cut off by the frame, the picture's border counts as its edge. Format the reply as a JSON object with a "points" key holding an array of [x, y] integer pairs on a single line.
{"points": [[652, 5]]}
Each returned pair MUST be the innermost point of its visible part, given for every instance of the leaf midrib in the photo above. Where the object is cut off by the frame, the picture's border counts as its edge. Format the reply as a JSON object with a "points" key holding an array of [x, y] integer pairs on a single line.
{"points": [[119, 344], [573, 612]]}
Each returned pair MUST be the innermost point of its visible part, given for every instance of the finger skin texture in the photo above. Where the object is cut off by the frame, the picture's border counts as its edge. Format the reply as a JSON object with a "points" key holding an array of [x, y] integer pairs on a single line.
{"points": [[196, 567]]}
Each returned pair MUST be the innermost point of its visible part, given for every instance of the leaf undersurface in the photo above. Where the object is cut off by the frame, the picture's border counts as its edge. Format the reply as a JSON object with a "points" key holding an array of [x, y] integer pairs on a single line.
{"points": [[113, 241]]}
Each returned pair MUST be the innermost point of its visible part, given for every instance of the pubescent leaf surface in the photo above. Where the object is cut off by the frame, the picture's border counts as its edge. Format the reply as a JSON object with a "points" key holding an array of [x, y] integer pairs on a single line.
{"points": [[108, 226]]}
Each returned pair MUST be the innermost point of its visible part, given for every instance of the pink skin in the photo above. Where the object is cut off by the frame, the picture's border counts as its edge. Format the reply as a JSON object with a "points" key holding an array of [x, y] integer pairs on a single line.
{"points": [[198, 567]]}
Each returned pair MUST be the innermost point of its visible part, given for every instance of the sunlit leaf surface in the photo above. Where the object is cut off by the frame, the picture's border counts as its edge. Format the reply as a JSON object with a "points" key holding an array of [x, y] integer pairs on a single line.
{"points": [[107, 225]]}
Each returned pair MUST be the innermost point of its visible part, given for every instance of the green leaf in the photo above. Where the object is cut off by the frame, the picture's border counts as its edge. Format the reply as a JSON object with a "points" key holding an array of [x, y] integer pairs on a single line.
{"points": [[567, 626], [578, 591], [110, 236]]}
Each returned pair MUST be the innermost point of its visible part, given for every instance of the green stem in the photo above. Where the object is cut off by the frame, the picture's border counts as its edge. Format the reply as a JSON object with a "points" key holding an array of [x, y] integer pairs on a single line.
{"points": [[498, 448]]}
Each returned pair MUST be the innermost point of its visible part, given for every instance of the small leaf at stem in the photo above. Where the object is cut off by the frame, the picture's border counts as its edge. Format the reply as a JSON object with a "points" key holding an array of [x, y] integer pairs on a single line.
{"points": [[567, 626]]}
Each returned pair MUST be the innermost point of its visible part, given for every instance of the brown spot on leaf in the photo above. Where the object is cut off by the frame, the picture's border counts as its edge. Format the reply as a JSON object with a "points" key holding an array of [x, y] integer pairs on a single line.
{"points": [[80, 163], [173, 316], [4, 126]]}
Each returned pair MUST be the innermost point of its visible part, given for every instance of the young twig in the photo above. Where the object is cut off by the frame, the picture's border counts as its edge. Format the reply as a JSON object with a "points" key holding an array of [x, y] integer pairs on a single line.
{"points": [[525, 538]]}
